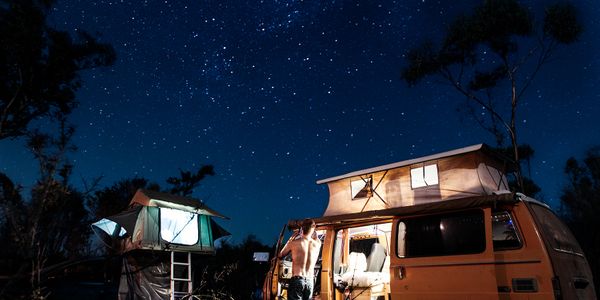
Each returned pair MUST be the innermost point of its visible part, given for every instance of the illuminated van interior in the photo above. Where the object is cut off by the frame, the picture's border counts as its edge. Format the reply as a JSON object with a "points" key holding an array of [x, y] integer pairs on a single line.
{"points": [[361, 260]]}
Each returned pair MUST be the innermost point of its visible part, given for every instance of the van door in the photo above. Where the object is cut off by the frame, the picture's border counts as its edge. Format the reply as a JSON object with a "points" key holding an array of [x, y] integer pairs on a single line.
{"points": [[270, 289], [443, 256], [573, 277]]}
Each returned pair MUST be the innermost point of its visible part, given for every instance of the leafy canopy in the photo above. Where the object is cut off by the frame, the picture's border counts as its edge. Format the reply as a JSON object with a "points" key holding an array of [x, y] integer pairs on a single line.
{"points": [[40, 66], [495, 25]]}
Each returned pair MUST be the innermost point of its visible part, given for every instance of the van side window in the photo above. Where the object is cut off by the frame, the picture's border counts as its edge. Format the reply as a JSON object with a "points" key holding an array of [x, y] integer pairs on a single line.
{"points": [[504, 233], [438, 235]]}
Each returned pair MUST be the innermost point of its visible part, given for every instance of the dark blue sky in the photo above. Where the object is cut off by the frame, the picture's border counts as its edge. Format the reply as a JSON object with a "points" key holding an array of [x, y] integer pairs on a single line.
{"points": [[278, 94]]}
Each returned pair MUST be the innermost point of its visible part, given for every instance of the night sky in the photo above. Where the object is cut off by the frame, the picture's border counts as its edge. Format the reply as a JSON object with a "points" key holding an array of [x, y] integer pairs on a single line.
{"points": [[279, 94]]}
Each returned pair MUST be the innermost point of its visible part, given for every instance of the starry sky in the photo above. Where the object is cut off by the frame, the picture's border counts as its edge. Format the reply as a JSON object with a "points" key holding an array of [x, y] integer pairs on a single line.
{"points": [[279, 94]]}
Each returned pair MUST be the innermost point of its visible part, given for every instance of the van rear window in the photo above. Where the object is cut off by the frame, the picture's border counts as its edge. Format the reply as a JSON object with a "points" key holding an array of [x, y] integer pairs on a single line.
{"points": [[438, 235], [555, 231]]}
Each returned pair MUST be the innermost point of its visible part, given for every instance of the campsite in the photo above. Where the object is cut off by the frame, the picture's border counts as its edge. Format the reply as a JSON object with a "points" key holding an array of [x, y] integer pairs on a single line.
{"points": [[284, 149]]}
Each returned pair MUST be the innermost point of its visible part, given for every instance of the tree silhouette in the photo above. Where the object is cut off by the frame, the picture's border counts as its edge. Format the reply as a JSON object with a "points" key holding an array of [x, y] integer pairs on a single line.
{"points": [[491, 58], [187, 181], [526, 152], [40, 66], [115, 198], [581, 200], [47, 228]]}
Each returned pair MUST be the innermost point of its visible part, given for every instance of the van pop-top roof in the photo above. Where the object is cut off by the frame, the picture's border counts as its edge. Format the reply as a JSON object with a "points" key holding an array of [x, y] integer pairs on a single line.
{"points": [[470, 171]]}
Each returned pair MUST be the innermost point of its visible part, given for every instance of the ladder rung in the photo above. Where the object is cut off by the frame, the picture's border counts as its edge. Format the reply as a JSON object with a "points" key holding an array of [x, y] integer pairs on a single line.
{"points": [[181, 279], [181, 263], [180, 294]]}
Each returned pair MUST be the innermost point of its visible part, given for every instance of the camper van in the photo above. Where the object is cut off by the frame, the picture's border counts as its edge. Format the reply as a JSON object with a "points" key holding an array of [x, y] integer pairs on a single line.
{"points": [[438, 227]]}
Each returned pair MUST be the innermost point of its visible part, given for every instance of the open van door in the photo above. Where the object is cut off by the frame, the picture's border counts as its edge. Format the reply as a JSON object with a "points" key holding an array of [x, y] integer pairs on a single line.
{"points": [[443, 256], [270, 289]]}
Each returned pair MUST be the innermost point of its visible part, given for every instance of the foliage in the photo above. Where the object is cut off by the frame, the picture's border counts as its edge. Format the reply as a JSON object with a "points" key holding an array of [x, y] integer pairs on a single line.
{"points": [[483, 59], [526, 152], [47, 227], [40, 66], [186, 182], [581, 200], [115, 198]]}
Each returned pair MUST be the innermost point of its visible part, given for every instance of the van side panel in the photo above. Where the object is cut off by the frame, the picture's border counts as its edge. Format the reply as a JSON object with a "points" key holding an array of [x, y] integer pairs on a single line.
{"points": [[529, 263], [468, 276]]}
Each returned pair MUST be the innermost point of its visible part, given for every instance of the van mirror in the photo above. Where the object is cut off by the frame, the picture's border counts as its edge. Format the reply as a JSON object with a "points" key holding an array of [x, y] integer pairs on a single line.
{"points": [[260, 256]]}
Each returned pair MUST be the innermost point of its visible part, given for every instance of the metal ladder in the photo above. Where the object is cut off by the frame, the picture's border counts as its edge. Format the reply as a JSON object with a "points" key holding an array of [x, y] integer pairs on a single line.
{"points": [[181, 274]]}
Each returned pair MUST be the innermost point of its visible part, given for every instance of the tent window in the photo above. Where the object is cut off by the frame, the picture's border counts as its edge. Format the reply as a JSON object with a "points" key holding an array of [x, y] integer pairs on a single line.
{"points": [[424, 176], [178, 227], [111, 227], [361, 188]]}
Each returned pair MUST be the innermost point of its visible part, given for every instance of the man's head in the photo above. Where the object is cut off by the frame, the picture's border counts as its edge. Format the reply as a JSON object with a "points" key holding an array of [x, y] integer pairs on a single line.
{"points": [[308, 226]]}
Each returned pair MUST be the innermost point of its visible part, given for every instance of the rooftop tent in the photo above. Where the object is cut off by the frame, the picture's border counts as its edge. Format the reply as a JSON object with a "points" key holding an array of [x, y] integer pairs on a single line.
{"points": [[471, 171], [160, 221]]}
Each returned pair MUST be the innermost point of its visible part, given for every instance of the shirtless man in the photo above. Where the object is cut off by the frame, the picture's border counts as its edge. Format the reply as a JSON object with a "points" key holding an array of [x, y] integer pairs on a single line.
{"points": [[305, 252]]}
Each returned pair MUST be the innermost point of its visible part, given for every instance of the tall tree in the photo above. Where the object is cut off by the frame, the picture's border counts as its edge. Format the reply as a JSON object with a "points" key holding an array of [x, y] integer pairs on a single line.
{"points": [[40, 66], [581, 202], [491, 57]]}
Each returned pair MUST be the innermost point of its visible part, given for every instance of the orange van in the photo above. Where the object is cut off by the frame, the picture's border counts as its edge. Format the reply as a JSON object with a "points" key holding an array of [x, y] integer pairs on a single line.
{"points": [[505, 246]]}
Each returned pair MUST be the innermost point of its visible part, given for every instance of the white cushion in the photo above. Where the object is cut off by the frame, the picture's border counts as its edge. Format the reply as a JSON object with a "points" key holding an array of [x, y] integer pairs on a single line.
{"points": [[357, 262], [365, 279]]}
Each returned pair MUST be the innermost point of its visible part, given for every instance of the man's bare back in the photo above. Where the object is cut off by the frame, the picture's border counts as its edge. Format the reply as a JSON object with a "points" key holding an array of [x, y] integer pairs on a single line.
{"points": [[305, 252]]}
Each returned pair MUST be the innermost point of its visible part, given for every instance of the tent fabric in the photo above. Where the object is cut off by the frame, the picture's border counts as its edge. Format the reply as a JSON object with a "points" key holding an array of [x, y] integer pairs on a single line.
{"points": [[154, 198], [147, 234], [217, 230], [127, 218], [145, 276], [463, 174]]}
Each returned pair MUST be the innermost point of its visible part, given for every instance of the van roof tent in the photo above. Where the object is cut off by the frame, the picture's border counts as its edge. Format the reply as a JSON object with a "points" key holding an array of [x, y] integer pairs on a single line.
{"points": [[475, 170], [432, 207], [161, 221], [478, 147]]}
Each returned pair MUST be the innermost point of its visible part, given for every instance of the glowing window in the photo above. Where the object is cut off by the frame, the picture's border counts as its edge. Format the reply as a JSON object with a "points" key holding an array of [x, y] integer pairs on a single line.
{"points": [[111, 227], [178, 227], [361, 188], [424, 176]]}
